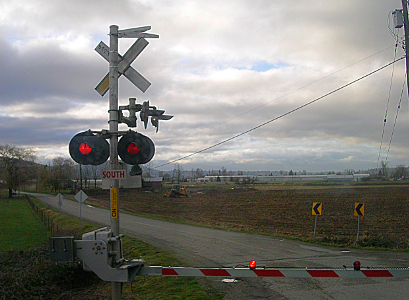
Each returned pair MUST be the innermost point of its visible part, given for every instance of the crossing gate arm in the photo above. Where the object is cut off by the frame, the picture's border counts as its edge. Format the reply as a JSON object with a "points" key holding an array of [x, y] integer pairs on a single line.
{"points": [[273, 273]]}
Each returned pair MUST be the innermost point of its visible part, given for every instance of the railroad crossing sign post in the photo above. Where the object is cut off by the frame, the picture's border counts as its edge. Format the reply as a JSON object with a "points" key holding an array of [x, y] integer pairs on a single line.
{"points": [[91, 148], [316, 211], [116, 68], [359, 212]]}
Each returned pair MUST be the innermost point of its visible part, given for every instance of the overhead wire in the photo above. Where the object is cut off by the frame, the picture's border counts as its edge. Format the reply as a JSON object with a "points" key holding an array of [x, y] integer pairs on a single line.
{"points": [[387, 107], [282, 115], [396, 118]]}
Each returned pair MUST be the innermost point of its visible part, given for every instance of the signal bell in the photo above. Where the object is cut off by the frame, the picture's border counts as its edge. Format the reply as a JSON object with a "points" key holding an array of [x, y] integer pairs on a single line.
{"points": [[135, 148], [88, 149]]}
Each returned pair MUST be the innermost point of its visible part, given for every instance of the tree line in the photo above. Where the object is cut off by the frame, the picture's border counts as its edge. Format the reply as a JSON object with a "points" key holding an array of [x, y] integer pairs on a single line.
{"points": [[18, 169]]}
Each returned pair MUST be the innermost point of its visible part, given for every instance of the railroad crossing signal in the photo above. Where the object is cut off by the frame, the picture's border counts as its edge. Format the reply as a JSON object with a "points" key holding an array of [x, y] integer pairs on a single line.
{"points": [[135, 148], [316, 208], [359, 209], [88, 149]]}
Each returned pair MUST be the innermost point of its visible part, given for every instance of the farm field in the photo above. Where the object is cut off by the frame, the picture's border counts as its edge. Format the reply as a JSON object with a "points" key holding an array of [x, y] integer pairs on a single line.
{"points": [[282, 211]]}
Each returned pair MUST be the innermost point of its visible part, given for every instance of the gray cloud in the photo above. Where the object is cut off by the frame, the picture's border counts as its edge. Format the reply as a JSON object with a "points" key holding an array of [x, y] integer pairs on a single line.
{"points": [[220, 69]]}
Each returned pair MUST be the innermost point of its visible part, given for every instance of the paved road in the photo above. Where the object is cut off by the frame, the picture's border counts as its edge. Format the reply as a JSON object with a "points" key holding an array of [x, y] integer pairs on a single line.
{"points": [[204, 247]]}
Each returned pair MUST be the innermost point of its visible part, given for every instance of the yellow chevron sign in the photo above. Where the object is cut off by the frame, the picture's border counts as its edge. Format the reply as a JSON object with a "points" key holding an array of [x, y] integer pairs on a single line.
{"points": [[316, 208], [359, 209]]}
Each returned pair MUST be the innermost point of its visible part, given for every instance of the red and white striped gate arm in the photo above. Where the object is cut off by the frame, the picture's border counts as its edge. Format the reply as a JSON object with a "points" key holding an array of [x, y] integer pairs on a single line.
{"points": [[265, 272]]}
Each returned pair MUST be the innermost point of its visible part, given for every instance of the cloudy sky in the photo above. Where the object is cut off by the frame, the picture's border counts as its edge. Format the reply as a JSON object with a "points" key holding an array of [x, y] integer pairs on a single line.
{"points": [[221, 68]]}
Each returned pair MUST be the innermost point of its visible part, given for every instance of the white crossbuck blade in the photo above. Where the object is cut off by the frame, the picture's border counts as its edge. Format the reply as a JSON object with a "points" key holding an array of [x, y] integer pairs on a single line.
{"points": [[124, 66], [136, 33]]}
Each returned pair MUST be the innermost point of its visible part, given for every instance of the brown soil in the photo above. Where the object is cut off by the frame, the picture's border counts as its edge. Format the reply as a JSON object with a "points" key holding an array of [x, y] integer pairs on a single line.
{"points": [[278, 211]]}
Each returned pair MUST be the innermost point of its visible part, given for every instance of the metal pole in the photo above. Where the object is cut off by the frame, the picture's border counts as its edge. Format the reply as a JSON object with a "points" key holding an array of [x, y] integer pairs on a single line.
{"points": [[81, 210], [80, 177], [315, 226], [113, 127], [406, 27], [357, 237]]}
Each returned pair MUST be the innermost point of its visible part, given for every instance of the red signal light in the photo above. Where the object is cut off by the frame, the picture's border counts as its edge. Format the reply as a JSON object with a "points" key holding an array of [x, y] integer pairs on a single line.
{"points": [[85, 149], [252, 264], [88, 149], [357, 265], [133, 149]]}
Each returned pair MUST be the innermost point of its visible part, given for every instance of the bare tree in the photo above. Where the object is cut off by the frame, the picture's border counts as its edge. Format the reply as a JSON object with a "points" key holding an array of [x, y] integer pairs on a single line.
{"points": [[16, 166], [148, 169], [62, 171], [87, 174], [401, 172], [384, 169], [199, 173], [177, 172], [96, 171]]}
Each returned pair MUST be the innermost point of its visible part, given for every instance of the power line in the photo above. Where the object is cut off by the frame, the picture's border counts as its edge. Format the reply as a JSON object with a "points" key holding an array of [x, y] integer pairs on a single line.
{"points": [[396, 119], [283, 115], [387, 105]]}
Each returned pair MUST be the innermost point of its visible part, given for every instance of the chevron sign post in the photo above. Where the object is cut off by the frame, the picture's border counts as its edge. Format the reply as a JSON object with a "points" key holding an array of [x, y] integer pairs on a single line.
{"points": [[359, 212], [316, 211]]}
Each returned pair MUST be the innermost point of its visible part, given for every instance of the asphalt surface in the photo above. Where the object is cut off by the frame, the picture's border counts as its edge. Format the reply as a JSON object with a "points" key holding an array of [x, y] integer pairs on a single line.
{"points": [[204, 247]]}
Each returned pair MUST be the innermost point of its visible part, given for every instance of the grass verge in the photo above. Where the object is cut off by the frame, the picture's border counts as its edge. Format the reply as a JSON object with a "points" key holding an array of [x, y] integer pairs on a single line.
{"points": [[20, 226]]}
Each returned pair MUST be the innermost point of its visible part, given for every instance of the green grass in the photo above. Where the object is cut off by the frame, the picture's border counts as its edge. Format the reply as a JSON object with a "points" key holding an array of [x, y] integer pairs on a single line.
{"points": [[20, 227], [163, 287]]}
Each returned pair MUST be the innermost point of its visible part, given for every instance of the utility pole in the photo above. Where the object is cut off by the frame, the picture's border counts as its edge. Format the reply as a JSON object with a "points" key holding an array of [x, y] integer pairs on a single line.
{"points": [[406, 28]]}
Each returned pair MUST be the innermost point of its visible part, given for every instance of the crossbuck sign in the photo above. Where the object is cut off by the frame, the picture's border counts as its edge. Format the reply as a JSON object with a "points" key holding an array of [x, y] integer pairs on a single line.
{"points": [[124, 63]]}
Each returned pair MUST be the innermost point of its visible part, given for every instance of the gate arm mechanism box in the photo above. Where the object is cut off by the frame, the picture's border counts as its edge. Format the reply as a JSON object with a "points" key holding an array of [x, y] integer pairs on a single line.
{"points": [[96, 253]]}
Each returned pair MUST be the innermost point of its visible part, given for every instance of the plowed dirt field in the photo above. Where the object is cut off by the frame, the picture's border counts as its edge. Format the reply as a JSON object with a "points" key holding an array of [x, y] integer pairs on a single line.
{"points": [[285, 211]]}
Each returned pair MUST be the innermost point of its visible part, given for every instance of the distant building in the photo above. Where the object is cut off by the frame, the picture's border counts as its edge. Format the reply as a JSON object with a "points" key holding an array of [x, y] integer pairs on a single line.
{"points": [[355, 177], [155, 182]]}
